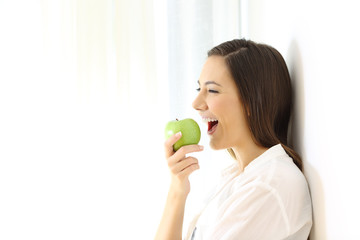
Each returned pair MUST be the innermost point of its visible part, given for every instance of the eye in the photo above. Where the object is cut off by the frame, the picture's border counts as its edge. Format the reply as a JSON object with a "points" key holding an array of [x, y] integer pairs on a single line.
{"points": [[210, 90], [213, 91]]}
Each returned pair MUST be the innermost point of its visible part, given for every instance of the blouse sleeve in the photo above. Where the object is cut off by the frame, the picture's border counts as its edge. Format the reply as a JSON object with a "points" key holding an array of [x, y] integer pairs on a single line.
{"points": [[256, 211]]}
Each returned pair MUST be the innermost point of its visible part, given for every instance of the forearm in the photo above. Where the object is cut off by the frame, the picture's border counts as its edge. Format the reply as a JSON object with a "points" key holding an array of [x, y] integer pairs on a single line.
{"points": [[171, 223]]}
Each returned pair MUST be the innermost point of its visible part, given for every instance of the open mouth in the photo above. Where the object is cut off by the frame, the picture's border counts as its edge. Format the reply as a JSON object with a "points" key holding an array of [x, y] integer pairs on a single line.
{"points": [[212, 124]]}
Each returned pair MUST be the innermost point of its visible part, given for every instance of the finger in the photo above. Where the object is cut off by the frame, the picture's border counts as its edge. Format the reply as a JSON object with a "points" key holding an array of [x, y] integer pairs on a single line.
{"points": [[170, 142], [181, 153], [188, 170], [183, 164]]}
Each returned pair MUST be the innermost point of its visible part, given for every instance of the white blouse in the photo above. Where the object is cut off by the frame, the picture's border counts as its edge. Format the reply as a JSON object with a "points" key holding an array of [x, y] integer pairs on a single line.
{"points": [[269, 200]]}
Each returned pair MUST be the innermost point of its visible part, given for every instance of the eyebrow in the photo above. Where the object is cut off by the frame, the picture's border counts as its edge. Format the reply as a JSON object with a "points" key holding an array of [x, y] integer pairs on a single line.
{"points": [[210, 82]]}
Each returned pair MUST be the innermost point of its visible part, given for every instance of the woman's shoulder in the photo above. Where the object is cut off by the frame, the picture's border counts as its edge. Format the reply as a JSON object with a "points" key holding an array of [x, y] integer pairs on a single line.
{"points": [[286, 176], [275, 170]]}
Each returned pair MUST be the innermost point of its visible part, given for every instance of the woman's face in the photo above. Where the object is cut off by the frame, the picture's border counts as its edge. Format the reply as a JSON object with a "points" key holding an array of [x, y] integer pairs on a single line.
{"points": [[219, 105]]}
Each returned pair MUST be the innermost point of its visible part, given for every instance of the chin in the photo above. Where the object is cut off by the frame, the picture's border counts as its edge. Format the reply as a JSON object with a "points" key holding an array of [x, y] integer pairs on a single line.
{"points": [[216, 146]]}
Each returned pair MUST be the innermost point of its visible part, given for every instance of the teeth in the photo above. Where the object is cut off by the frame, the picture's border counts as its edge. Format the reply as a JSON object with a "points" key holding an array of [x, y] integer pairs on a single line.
{"points": [[209, 119]]}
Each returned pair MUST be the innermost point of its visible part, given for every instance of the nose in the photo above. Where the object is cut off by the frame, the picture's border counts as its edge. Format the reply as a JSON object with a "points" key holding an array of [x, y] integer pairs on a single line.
{"points": [[199, 103]]}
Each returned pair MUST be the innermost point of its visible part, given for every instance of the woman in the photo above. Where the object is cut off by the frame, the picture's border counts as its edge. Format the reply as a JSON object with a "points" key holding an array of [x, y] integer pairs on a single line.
{"points": [[245, 96]]}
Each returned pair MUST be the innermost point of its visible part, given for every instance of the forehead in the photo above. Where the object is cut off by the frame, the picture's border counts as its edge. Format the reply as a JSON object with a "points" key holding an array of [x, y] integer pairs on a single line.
{"points": [[215, 69]]}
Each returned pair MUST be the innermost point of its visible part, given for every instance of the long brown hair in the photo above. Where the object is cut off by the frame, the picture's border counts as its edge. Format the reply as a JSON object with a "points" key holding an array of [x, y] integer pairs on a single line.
{"points": [[264, 85]]}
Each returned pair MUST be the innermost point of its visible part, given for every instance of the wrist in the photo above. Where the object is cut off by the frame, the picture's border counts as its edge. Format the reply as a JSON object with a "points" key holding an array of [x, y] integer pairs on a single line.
{"points": [[177, 194]]}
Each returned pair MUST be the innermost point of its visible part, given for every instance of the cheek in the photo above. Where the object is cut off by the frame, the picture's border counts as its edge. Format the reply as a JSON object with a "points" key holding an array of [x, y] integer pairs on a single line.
{"points": [[228, 110], [215, 107], [234, 118], [223, 105]]}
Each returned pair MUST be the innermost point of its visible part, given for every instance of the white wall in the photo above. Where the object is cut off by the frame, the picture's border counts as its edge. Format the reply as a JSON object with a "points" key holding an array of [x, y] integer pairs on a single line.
{"points": [[86, 89], [83, 105], [320, 42]]}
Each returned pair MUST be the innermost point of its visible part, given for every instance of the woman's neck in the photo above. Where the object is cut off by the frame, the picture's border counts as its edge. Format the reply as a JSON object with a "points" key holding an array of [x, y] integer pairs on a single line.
{"points": [[245, 154]]}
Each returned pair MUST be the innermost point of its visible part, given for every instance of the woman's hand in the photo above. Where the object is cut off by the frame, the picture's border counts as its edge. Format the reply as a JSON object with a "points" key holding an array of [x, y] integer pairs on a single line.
{"points": [[180, 165]]}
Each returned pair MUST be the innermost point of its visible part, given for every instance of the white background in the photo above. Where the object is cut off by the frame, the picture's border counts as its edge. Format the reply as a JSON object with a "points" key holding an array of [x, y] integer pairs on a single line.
{"points": [[86, 88]]}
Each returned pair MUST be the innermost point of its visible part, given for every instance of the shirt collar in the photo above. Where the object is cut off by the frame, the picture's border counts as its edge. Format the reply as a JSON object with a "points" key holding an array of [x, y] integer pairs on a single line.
{"points": [[273, 152]]}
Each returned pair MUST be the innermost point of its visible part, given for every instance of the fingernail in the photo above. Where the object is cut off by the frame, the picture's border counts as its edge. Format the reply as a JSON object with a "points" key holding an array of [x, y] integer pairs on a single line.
{"points": [[201, 147], [178, 134]]}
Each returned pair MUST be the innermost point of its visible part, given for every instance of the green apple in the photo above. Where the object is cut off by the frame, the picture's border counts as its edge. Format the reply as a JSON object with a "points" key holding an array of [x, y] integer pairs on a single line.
{"points": [[189, 129]]}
